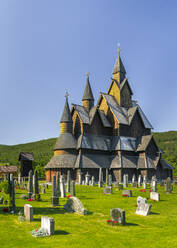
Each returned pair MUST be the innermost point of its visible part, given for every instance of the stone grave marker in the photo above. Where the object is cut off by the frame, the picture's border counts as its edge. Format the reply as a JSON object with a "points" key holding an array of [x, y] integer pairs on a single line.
{"points": [[108, 190], [134, 185], [48, 224], [36, 186], [28, 212], [83, 182], [11, 194], [100, 182], [93, 181], [141, 200], [30, 184], [127, 193], [110, 180], [62, 186], [168, 185], [107, 177], [75, 205], [80, 177], [120, 186], [154, 185], [54, 198], [143, 209], [118, 215], [58, 184], [72, 188], [87, 177], [68, 183], [155, 196], [139, 180], [125, 181]]}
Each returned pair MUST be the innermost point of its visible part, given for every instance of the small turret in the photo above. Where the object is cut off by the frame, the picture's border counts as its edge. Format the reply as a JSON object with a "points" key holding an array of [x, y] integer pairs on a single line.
{"points": [[66, 119], [88, 99], [119, 71]]}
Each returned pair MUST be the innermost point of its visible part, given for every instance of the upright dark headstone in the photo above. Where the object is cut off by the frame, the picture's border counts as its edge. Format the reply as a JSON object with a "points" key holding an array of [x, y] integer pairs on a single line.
{"points": [[58, 184], [36, 186], [12, 194], [30, 184], [54, 198], [107, 177], [118, 215], [100, 182], [110, 180], [68, 181], [168, 185], [72, 188]]}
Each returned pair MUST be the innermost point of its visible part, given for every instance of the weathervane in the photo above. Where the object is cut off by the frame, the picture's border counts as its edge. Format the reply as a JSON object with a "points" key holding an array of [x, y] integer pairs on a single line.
{"points": [[88, 74], [66, 95], [118, 45]]}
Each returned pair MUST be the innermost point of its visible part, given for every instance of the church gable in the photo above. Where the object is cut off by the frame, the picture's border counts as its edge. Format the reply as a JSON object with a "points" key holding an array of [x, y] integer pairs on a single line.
{"points": [[77, 123], [137, 127], [125, 96], [114, 90]]}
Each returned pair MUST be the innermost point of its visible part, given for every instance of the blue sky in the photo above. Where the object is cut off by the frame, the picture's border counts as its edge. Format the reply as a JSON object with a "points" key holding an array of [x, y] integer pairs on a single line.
{"points": [[47, 47]]}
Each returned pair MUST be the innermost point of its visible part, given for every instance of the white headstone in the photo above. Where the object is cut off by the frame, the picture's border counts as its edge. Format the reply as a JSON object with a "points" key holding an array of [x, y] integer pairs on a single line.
{"points": [[28, 212], [155, 196], [62, 186], [143, 209], [48, 224]]}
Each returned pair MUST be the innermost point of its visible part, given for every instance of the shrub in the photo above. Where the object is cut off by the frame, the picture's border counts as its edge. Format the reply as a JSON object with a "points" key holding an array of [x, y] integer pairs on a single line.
{"points": [[4, 186]]}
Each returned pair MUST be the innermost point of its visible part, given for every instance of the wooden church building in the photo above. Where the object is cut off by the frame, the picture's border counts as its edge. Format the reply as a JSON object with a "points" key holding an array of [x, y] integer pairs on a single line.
{"points": [[114, 133]]}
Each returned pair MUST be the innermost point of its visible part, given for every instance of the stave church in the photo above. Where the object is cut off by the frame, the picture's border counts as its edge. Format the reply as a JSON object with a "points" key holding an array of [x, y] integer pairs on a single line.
{"points": [[113, 133]]}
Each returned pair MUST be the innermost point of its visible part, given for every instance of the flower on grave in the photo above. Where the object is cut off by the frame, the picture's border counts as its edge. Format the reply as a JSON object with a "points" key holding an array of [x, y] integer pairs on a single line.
{"points": [[142, 190], [125, 195], [108, 221], [30, 199], [36, 230], [22, 188], [150, 190], [115, 222], [68, 196], [136, 205], [5, 209]]}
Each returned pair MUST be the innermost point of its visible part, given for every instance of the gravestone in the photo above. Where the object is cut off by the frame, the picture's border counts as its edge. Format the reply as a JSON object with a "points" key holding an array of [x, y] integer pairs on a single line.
{"points": [[62, 186], [154, 196], [90, 182], [110, 180], [19, 178], [48, 224], [127, 193], [141, 200], [87, 177], [134, 185], [11, 193], [43, 190], [120, 186], [125, 180], [168, 185], [30, 184], [133, 178], [36, 186], [28, 212], [58, 184], [107, 177], [100, 182], [154, 185], [139, 180], [1, 200], [72, 188], [80, 177], [54, 198], [75, 205], [68, 182], [118, 215], [162, 183], [93, 181], [143, 209], [108, 190], [83, 182]]}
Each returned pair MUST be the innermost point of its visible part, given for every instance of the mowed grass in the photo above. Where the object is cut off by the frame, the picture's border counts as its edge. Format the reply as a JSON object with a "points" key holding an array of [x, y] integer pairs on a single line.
{"points": [[159, 229]]}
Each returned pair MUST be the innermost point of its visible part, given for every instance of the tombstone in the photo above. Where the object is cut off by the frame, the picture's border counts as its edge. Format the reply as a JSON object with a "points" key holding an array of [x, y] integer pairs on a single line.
{"points": [[28, 212], [116, 184], [43, 190], [93, 181], [127, 193], [83, 182], [58, 184], [87, 176], [36, 186], [80, 177], [143, 209], [120, 187], [100, 182], [12, 193], [68, 182], [139, 180], [110, 180], [118, 215], [54, 198], [62, 186], [134, 185], [107, 177], [141, 200], [1, 200], [90, 182], [133, 178], [19, 178], [144, 182], [48, 224], [108, 190], [72, 188], [125, 181], [47, 186], [154, 185], [30, 184], [162, 183], [168, 186], [154, 196], [75, 205]]}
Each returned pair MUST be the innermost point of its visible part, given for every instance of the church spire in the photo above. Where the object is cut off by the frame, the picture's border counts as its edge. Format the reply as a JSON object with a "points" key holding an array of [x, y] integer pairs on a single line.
{"points": [[66, 119], [88, 99], [119, 71]]}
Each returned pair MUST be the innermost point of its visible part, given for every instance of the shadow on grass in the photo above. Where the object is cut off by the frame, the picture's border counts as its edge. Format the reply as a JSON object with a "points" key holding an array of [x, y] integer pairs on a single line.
{"points": [[154, 213], [61, 232], [131, 224]]}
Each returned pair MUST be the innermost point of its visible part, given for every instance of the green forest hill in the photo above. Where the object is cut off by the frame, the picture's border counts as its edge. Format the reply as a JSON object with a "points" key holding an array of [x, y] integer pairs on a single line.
{"points": [[43, 150]]}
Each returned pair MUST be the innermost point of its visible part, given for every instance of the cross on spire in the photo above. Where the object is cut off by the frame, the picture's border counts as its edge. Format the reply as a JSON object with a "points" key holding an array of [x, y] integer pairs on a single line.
{"points": [[88, 74], [118, 45], [66, 95]]}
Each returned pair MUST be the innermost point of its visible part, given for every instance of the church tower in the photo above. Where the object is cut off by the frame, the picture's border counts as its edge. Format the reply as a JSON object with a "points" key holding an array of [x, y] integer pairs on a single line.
{"points": [[66, 120], [88, 99]]}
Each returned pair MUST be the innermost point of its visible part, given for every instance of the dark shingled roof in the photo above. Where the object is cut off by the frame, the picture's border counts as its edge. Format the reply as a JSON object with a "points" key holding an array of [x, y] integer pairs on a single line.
{"points": [[66, 115], [144, 142], [88, 95], [119, 67], [62, 161], [129, 161], [8, 169], [26, 156], [83, 114], [166, 165], [123, 143], [65, 141], [92, 161]]}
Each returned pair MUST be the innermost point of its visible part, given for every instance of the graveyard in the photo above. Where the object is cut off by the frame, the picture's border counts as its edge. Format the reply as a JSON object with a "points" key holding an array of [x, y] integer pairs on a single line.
{"points": [[93, 228]]}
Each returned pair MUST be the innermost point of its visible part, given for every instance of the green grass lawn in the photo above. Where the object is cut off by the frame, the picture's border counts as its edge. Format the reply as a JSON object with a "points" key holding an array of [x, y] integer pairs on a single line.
{"points": [[159, 229]]}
